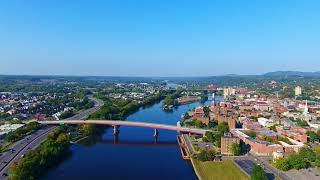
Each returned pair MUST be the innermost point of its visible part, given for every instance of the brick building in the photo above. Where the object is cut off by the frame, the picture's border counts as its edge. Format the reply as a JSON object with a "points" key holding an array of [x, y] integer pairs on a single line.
{"points": [[226, 142]]}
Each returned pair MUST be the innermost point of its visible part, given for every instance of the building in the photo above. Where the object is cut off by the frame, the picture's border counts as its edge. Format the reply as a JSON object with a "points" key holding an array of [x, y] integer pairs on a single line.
{"points": [[265, 122], [228, 92], [250, 125], [257, 147], [277, 155], [298, 91], [262, 106], [226, 143], [6, 128], [296, 133], [198, 113]]}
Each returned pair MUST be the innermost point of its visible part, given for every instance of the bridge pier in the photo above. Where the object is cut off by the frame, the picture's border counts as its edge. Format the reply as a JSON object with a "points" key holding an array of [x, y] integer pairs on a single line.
{"points": [[116, 139], [116, 130], [156, 135]]}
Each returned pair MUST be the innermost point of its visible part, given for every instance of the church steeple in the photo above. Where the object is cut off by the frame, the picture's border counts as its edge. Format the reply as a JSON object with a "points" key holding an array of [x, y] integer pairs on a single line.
{"points": [[306, 110]]}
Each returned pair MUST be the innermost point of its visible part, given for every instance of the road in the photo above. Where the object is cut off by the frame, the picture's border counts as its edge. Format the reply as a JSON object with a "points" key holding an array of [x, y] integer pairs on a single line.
{"points": [[21, 147], [34, 140], [264, 162], [85, 114]]}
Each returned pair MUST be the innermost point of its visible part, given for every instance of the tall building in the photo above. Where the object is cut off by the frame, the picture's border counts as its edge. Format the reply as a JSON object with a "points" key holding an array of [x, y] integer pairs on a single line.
{"points": [[298, 91], [228, 92]]}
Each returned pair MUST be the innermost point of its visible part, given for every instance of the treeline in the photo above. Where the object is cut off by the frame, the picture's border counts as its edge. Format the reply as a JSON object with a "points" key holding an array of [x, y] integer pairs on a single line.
{"points": [[16, 135], [85, 103], [171, 99], [304, 159], [36, 163], [67, 114], [119, 109]]}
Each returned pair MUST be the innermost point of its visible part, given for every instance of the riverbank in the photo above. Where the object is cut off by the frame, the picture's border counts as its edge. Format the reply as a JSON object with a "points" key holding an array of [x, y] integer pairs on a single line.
{"points": [[223, 170], [188, 99], [104, 158]]}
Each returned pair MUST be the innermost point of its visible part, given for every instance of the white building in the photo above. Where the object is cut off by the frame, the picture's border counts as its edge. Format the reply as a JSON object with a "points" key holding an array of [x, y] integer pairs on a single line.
{"points": [[298, 91], [265, 122], [228, 92]]}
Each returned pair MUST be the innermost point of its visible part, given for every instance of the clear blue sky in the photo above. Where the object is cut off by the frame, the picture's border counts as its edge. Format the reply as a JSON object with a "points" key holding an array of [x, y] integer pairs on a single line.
{"points": [[158, 37]]}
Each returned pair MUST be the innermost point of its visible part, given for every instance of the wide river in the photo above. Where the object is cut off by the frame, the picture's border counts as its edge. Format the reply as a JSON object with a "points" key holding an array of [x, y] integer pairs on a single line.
{"points": [[135, 156]]}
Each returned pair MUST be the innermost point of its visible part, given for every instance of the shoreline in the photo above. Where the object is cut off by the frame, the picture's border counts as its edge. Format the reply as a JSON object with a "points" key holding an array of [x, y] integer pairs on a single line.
{"points": [[195, 170]]}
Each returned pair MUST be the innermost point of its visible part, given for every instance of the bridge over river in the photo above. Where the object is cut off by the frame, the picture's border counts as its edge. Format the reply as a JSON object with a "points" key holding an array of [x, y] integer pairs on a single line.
{"points": [[117, 123]]}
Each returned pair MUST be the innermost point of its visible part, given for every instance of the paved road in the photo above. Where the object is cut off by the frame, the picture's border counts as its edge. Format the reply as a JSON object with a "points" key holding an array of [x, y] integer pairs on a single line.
{"points": [[21, 147], [246, 165], [82, 115], [34, 140], [264, 162]]}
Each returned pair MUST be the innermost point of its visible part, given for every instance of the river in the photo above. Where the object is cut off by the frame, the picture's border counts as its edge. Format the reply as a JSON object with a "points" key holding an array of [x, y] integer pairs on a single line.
{"points": [[135, 156]]}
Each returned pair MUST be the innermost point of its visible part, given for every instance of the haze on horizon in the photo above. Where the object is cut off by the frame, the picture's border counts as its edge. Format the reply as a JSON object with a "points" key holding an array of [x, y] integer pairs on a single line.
{"points": [[158, 38]]}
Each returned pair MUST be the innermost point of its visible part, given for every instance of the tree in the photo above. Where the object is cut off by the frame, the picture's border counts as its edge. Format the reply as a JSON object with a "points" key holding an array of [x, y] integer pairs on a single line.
{"points": [[313, 136], [302, 123], [258, 173], [235, 149], [317, 150], [251, 133], [282, 164], [206, 111], [223, 127], [307, 154], [206, 155], [297, 162], [317, 161], [210, 137], [273, 128], [198, 124]]}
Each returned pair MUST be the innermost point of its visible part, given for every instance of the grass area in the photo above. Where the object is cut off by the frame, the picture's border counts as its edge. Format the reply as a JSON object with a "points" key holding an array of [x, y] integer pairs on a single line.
{"points": [[224, 170], [5, 147]]}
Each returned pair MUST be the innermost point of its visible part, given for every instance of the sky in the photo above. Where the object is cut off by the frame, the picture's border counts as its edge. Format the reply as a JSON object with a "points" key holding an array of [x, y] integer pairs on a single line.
{"points": [[158, 37]]}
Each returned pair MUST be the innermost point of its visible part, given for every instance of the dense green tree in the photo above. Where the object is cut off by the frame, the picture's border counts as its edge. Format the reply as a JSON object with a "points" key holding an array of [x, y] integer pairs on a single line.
{"points": [[36, 162], [297, 162], [210, 137], [198, 124], [235, 149], [206, 155], [258, 173], [313, 136], [282, 164], [206, 111], [301, 123], [317, 161], [251, 133], [223, 127], [307, 154]]}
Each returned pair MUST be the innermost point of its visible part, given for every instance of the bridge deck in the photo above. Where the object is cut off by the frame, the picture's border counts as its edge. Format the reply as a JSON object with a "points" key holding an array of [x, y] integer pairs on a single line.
{"points": [[128, 123]]}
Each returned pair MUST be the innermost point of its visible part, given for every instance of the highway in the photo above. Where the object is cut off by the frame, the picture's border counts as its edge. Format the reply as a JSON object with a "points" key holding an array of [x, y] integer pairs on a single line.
{"points": [[85, 114], [21, 147], [34, 140]]}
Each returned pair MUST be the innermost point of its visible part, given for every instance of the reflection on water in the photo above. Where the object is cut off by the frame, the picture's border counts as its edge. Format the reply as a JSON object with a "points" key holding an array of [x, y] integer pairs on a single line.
{"points": [[133, 154]]}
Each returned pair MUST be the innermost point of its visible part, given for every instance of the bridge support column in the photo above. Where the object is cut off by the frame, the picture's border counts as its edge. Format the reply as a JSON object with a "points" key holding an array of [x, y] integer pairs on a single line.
{"points": [[116, 132], [156, 135]]}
